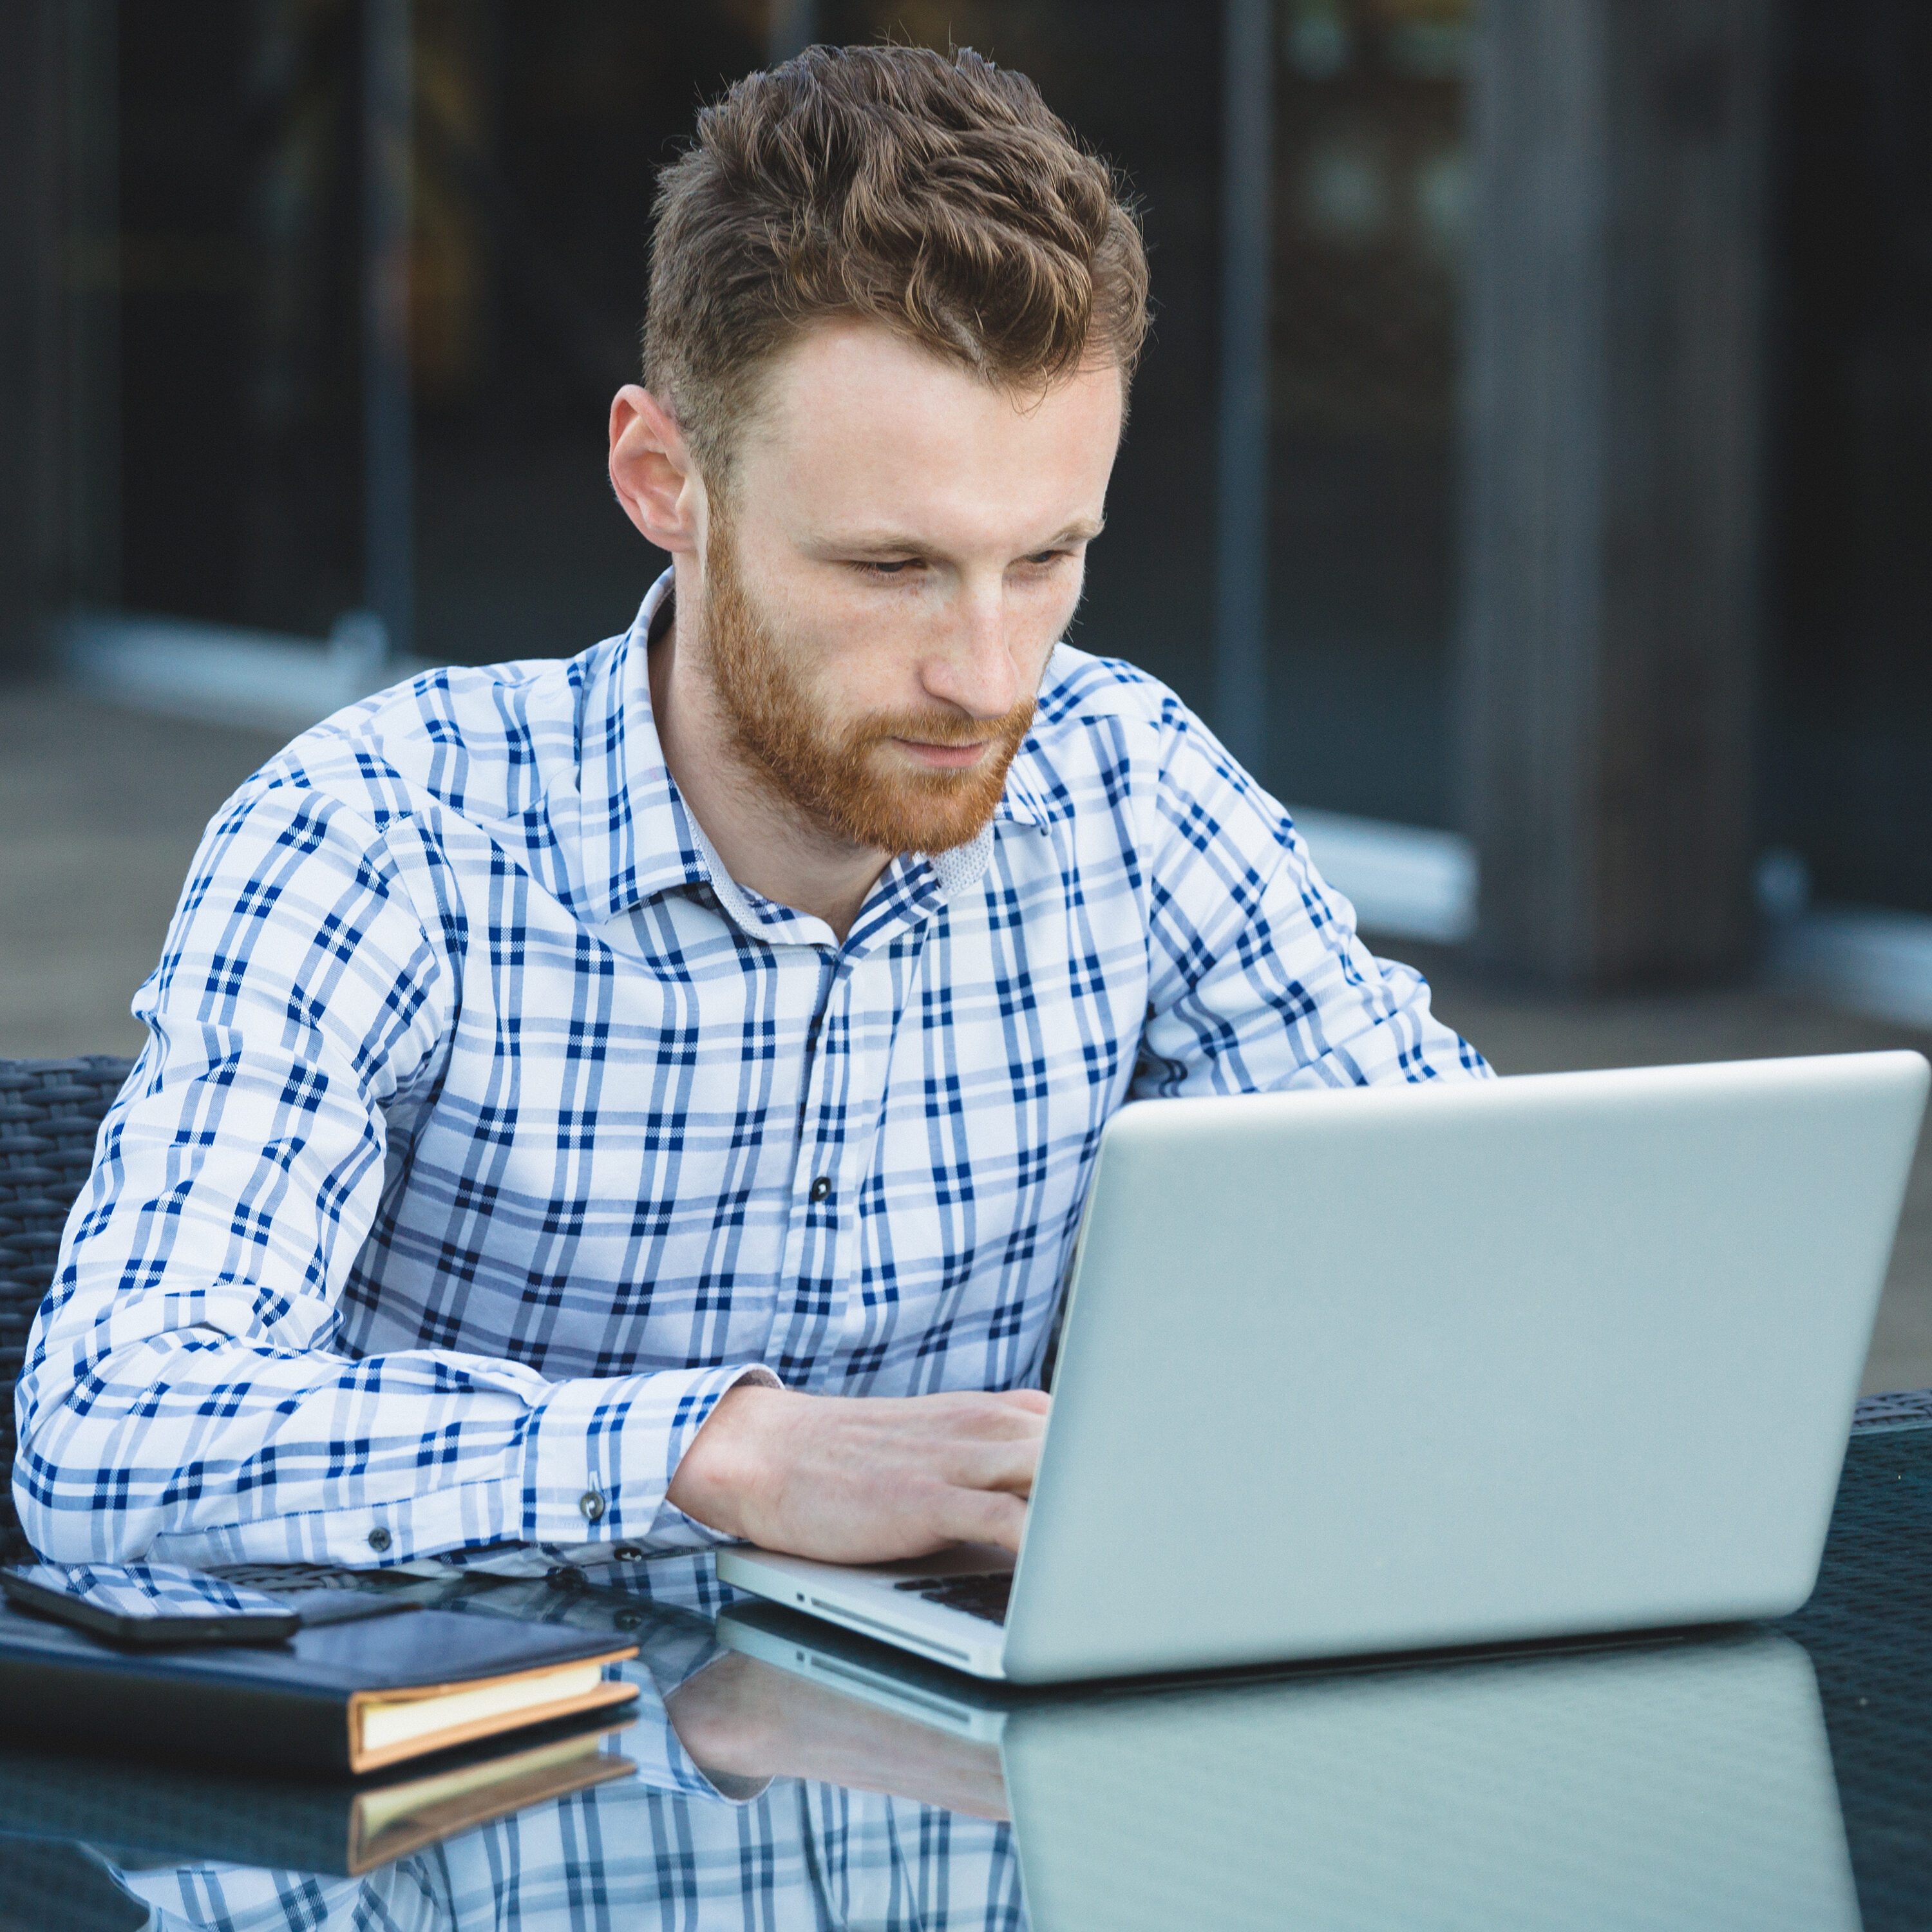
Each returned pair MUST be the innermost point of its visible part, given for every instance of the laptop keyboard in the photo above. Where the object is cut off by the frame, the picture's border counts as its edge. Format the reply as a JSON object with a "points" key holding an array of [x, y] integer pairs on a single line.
{"points": [[984, 1595]]}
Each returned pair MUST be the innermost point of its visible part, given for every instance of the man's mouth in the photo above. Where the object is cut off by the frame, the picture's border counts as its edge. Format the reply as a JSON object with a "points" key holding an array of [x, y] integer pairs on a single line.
{"points": [[944, 757]]}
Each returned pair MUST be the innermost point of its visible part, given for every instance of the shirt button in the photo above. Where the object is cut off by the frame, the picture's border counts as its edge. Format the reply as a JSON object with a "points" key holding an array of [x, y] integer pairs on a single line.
{"points": [[592, 1504], [379, 1540], [821, 1187]]}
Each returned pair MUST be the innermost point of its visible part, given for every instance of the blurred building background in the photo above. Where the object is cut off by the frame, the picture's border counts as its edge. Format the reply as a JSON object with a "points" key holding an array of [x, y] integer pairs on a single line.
{"points": [[1531, 475]]}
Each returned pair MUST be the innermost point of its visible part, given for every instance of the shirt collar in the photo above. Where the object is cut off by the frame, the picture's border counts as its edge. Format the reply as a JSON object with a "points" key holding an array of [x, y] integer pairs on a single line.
{"points": [[639, 839], [1020, 802], [1034, 794]]}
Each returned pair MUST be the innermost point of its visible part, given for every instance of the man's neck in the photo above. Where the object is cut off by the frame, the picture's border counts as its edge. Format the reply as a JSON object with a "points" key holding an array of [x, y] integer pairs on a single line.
{"points": [[768, 845]]}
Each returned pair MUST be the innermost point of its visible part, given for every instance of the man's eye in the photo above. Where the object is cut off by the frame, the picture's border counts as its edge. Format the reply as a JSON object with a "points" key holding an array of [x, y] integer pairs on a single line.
{"points": [[897, 567], [1043, 557]]}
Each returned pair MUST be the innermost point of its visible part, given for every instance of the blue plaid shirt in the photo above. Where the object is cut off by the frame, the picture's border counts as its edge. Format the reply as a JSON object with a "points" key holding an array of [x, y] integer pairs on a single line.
{"points": [[487, 1132], [801, 1857]]}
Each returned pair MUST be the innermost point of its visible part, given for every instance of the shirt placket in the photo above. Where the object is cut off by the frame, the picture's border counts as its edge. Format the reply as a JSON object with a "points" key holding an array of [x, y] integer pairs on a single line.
{"points": [[844, 1097], [811, 1271]]}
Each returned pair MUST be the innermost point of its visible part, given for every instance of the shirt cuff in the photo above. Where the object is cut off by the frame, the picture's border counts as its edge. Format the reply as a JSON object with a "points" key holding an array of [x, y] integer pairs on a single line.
{"points": [[601, 1454]]}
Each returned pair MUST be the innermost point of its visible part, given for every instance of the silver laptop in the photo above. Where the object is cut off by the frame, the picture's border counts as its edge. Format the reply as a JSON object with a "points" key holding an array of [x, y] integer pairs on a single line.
{"points": [[1683, 1783], [1394, 1368]]}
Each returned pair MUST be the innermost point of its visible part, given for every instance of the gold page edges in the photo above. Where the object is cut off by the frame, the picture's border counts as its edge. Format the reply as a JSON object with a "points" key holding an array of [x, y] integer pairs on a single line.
{"points": [[389, 1824], [435, 1716]]}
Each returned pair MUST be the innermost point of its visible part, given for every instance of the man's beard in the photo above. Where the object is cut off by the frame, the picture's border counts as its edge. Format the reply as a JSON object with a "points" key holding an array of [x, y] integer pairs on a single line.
{"points": [[838, 776]]}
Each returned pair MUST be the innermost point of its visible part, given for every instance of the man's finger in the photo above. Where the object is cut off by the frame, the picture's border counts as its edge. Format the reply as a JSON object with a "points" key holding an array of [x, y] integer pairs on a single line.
{"points": [[1036, 1401], [985, 1515], [994, 1465], [1001, 1413]]}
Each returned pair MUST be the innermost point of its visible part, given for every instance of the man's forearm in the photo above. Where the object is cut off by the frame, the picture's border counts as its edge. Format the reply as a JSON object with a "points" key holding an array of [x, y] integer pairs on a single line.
{"points": [[193, 1446]]}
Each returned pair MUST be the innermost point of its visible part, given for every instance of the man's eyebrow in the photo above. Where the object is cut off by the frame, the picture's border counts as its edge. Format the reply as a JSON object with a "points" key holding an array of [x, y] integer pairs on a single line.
{"points": [[1082, 529], [868, 543]]}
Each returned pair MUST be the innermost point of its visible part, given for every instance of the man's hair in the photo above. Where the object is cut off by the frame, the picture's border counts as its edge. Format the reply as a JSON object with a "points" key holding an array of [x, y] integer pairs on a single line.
{"points": [[939, 197]]}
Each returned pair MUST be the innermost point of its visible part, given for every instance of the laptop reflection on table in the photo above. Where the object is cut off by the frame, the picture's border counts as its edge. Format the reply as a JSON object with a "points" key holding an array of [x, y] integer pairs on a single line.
{"points": [[1684, 1783]]}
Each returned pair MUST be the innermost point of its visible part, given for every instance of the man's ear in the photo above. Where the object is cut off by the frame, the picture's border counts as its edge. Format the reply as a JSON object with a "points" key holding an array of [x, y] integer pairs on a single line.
{"points": [[652, 472]]}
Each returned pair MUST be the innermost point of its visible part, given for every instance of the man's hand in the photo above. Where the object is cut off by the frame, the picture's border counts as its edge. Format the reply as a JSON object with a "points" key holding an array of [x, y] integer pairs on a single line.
{"points": [[742, 1719], [864, 1479]]}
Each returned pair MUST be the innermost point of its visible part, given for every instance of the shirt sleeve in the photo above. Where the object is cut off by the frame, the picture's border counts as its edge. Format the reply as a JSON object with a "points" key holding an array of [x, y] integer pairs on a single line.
{"points": [[1257, 979], [183, 1397]]}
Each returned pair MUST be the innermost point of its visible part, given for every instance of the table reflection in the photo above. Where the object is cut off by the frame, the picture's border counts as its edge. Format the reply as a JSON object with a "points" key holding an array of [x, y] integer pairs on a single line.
{"points": [[780, 1773]]}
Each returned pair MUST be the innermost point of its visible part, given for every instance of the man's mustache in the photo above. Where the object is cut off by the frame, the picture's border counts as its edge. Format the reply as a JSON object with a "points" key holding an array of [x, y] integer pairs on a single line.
{"points": [[940, 728]]}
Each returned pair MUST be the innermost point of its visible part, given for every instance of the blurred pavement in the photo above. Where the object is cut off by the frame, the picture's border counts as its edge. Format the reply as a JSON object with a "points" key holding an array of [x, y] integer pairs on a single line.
{"points": [[100, 810]]}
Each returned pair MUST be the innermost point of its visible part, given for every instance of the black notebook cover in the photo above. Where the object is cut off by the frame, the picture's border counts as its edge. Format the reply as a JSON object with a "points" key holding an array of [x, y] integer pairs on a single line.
{"points": [[282, 1705]]}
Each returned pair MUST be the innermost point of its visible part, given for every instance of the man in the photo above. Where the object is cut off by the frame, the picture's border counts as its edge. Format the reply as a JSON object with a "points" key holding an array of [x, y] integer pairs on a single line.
{"points": [[608, 1106]]}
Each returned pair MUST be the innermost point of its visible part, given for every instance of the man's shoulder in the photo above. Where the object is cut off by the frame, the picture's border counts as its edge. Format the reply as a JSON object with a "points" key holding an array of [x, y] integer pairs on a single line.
{"points": [[484, 742]]}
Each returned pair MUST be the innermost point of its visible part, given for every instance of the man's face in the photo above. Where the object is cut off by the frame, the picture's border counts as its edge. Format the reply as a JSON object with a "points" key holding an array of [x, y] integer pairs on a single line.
{"points": [[902, 546]]}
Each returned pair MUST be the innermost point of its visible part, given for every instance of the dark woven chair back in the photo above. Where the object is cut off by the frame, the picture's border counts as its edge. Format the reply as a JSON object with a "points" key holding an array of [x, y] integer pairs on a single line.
{"points": [[49, 1112]]}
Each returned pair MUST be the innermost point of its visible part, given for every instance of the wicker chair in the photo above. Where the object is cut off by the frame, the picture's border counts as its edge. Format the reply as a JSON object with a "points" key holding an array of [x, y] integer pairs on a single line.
{"points": [[49, 1111]]}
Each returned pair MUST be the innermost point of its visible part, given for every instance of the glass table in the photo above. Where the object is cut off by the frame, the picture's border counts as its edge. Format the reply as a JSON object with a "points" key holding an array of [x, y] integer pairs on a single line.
{"points": [[780, 1774]]}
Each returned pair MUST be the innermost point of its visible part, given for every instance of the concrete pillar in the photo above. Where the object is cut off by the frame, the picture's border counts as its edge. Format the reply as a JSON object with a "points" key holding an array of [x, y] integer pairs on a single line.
{"points": [[1612, 485], [389, 431], [1247, 265]]}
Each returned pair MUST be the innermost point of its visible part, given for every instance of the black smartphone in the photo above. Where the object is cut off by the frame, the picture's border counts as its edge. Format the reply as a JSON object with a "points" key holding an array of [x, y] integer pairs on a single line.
{"points": [[151, 1603]]}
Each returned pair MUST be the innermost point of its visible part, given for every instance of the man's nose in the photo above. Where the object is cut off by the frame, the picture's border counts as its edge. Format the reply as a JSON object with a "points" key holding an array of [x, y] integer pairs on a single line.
{"points": [[974, 669]]}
